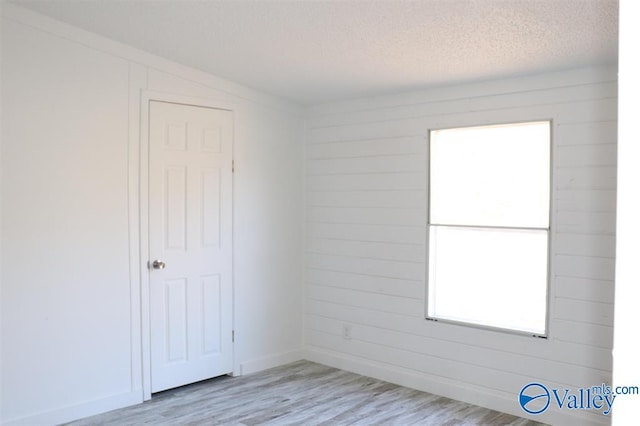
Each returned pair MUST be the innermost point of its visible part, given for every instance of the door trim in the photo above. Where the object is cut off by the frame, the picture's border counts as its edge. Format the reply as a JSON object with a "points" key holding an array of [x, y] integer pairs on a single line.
{"points": [[146, 96]]}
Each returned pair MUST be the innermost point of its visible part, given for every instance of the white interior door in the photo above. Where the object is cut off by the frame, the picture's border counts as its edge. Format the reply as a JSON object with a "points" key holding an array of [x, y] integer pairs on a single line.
{"points": [[190, 238]]}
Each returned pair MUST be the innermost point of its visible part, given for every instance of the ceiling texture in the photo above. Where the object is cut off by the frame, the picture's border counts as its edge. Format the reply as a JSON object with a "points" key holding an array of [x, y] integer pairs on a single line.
{"points": [[314, 51]]}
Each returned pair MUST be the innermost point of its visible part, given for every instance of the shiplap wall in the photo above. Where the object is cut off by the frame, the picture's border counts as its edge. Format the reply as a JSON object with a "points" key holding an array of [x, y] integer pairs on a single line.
{"points": [[366, 224]]}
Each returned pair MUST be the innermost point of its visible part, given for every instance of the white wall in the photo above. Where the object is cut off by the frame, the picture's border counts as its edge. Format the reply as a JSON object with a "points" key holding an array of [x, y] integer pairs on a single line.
{"points": [[366, 214], [66, 314], [71, 289], [1, 91], [626, 348]]}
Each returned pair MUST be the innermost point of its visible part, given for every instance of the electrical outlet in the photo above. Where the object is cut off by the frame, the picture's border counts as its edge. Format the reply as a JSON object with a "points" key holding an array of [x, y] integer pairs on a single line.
{"points": [[346, 331]]}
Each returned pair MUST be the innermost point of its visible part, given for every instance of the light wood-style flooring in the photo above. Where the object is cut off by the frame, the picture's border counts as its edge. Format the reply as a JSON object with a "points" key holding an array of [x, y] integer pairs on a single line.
{"points": [[301, 393]]}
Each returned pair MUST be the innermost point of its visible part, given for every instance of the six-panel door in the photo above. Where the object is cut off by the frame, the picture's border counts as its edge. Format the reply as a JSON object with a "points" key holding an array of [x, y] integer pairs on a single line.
{"points": [[190, 190]]}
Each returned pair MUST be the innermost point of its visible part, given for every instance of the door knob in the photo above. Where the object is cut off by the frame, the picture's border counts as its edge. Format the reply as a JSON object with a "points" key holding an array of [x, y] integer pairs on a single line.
{"points": [[157, 264]]}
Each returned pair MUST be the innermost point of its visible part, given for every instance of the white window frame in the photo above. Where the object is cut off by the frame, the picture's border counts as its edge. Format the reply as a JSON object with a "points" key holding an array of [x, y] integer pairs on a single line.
{"points": [[469, 324]]}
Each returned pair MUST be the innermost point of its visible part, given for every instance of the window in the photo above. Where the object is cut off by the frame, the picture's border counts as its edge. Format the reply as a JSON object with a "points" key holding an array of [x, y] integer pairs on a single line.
{"points": [[489, 192]]}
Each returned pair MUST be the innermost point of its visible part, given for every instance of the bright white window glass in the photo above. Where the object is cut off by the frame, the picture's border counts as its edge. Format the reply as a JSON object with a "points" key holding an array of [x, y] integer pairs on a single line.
{"points": [[491, 175], [489, 193], [489, 277]]}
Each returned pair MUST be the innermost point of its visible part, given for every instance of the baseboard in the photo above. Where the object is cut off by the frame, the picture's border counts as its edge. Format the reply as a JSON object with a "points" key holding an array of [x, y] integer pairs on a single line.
{"points": [[464, 392], [270, 361], [79, 411]]}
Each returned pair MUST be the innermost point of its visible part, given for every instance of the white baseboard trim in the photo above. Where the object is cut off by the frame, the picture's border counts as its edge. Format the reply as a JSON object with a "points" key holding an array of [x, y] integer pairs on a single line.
{"points": [[464, 392], [79, 411], [270, 361]]}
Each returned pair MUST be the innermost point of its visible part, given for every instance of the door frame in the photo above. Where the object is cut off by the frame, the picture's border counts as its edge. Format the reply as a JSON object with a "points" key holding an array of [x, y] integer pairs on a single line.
{"points": [[146, 96]]}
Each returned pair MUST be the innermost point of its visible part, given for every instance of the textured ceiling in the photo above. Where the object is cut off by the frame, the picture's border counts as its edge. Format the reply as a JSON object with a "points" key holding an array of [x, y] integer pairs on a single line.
{"points": [[315, 51]]}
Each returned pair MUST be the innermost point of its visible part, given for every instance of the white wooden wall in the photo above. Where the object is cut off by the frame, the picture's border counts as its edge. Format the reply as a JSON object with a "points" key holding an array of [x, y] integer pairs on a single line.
{"points": [[366, 225]]}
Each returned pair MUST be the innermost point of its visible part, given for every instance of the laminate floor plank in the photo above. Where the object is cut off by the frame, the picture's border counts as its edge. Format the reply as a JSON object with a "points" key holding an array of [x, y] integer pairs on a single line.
{"points": [[302, 393]]}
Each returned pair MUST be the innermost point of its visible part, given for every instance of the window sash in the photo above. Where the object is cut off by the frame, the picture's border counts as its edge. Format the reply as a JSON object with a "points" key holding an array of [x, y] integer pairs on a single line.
{"points": [[470, 185], [516, 268], [459, 216]]}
